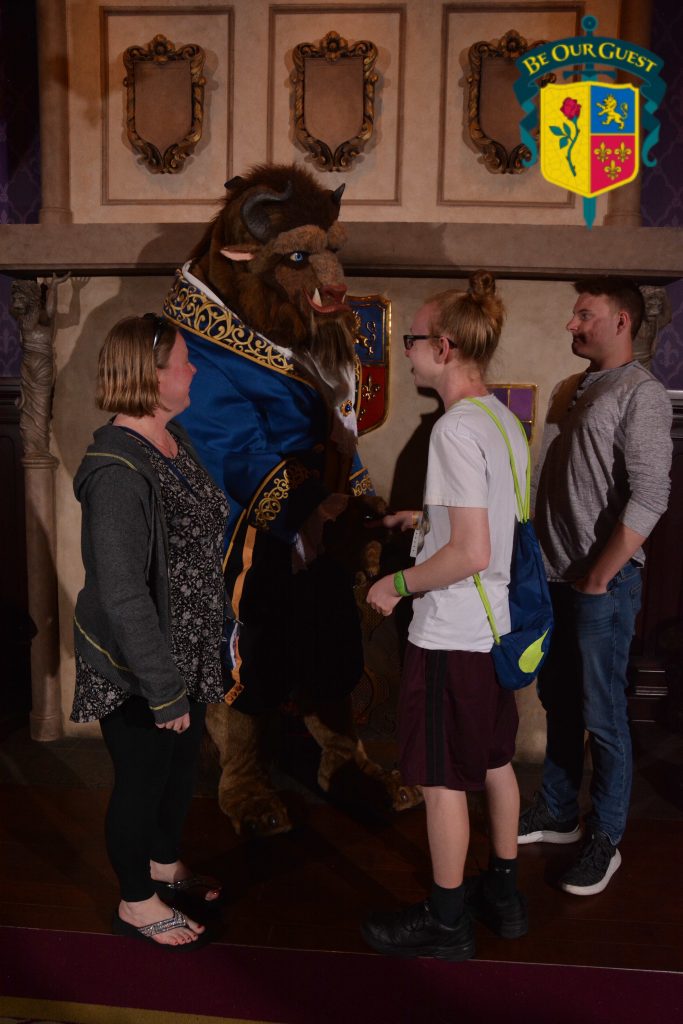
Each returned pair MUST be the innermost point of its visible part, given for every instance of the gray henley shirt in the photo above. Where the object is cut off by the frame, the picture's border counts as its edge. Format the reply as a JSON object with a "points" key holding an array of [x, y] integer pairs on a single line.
{"points": [[605, 458]]}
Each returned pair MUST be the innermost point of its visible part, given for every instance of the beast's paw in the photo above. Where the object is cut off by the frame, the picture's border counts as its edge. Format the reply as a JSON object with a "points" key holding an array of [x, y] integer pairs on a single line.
{"points": [[402, 797], [256, 817], [358, 781]]}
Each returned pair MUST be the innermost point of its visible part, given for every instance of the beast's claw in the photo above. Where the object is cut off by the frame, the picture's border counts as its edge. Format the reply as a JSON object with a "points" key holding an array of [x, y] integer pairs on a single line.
{"points": [[256, 818]]}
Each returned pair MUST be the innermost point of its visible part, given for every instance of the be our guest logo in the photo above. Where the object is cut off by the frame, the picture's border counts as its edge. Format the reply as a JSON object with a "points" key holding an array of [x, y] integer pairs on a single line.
{"points": [[590, 130]]}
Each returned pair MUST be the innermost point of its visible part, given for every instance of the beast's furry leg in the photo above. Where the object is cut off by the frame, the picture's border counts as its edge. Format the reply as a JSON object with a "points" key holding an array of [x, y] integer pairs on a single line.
{"points": [[244, 790], [342, 751]]}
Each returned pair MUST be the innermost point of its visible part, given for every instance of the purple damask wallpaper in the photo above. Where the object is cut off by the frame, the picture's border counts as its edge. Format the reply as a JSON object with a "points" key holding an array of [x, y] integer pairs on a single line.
{"points": [[662, 195], [19, 149]]}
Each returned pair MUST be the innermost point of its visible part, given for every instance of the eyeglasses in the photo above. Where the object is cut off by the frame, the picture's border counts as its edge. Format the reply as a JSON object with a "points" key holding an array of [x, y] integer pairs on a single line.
{"points": [[158, 330], [410, 339]]}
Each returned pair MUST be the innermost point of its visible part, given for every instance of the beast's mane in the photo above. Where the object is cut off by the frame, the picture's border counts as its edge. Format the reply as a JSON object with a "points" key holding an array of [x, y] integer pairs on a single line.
{"points": [[309, 203]]}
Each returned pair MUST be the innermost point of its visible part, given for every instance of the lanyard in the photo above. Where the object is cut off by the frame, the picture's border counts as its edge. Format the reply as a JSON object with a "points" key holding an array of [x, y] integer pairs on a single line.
{"points": [[178, 473]]}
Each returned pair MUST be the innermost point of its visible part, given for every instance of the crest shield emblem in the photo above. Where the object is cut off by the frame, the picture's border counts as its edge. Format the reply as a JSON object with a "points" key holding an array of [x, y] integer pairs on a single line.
{"points": [[372, 314], [590, 136]]}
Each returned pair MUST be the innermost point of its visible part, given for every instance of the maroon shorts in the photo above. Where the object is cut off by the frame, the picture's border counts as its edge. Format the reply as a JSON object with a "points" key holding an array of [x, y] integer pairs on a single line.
{"points": [[455, 719]]}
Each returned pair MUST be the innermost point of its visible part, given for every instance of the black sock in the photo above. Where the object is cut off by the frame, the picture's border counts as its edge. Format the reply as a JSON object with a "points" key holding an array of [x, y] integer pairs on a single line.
{"points": [[447, 904], [501, 878]]}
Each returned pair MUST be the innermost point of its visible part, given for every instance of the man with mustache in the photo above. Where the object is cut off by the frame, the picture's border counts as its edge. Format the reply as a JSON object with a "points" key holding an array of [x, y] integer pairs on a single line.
{"points": [[601, 485]]}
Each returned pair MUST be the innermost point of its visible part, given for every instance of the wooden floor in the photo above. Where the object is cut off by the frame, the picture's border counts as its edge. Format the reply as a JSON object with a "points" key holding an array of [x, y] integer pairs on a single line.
{"points": [[312, 887]]}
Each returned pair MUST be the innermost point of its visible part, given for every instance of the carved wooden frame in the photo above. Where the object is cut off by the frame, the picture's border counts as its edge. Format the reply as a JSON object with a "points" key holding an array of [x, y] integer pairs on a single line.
{"points": [[528, 422], [497, 159], [161, 51], [332, 49]]}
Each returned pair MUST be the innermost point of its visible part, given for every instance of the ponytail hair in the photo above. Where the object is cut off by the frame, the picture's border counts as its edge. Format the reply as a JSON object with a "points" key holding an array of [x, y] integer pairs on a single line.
{"points": [[473, 320]]}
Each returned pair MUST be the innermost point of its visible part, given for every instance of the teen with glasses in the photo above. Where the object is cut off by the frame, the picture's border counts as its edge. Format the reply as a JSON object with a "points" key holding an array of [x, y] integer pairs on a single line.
{"points": [[457, 726]]}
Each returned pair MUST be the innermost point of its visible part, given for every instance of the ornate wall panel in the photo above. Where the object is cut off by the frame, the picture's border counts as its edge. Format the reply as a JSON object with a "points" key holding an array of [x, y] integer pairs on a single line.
{"points": [[164, 102], [334, 99], [108, 179], [125, 180], [463, 179], [374, 177]]}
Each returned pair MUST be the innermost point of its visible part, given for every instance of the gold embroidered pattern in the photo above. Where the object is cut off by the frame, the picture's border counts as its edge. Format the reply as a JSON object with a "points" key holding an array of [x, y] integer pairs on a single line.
{"points": [[233, 693], [270, 505], [362, 486], [187, 307]]}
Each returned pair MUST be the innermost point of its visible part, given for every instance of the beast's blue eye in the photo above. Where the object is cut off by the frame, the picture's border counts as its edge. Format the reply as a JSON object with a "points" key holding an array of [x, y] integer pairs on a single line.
{"points": [[298, 257]]}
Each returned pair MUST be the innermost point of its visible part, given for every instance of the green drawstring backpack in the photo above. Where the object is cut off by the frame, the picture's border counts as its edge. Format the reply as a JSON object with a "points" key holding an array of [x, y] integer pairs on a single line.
{"points": [[519, 654]]}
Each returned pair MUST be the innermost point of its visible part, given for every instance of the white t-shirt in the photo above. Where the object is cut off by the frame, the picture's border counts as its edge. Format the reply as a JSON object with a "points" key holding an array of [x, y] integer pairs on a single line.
{"points": [[469, 467]]}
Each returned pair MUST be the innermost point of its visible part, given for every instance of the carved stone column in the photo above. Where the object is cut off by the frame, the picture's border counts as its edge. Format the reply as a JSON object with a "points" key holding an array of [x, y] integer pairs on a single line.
{"points": [[54, 112], [37, 381], [635, 25], [657, 316]]}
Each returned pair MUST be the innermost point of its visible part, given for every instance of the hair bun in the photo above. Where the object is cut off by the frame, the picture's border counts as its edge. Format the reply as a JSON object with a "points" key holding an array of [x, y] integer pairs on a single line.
{"points": [[482, 284]]}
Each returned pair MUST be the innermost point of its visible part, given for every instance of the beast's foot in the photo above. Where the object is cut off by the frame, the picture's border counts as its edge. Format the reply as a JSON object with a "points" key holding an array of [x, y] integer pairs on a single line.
{"points": [[255, 815], [357, 778], [402, 797]]}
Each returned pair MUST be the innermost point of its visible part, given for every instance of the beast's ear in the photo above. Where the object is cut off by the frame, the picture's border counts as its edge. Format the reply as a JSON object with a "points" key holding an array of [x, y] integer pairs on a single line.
{"points": [[240, 253], [234, 182]]}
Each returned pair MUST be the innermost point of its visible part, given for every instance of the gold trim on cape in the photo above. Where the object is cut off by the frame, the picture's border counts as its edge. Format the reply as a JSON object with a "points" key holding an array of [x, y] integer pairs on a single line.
{"points": [[186, 306], [269, 506]]}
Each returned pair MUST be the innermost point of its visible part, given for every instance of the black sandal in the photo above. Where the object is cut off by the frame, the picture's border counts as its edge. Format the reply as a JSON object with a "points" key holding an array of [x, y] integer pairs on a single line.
{"points": [[148, 931], [196, 887]]}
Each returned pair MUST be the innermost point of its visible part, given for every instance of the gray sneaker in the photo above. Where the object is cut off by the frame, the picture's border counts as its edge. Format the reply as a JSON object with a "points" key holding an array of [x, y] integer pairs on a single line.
{"points": [[597, 862], [537, 825]]}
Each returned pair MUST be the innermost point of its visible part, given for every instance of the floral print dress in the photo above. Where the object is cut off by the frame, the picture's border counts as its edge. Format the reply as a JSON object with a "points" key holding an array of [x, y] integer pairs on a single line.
{"points": [[195, 512]]}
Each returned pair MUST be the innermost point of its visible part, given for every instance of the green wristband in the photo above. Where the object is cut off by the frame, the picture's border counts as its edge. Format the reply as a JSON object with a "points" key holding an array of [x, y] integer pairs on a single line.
{"points": [[400, 585]]}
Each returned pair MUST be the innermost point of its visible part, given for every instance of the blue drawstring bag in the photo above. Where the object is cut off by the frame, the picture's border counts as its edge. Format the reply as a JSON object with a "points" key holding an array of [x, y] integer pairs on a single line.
{"points": [[519, 654]]}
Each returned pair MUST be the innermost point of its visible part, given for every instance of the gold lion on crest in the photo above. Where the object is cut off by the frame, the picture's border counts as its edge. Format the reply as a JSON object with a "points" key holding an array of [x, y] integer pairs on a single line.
{"points": [[608, 109]]}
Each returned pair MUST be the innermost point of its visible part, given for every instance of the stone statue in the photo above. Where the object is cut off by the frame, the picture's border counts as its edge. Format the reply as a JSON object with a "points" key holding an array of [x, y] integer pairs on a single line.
{"points": [[657, 316], [33, 307]]}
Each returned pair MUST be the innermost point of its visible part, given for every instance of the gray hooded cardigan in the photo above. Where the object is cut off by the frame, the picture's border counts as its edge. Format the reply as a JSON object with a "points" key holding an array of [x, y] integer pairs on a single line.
{"points": [[122, 621]]}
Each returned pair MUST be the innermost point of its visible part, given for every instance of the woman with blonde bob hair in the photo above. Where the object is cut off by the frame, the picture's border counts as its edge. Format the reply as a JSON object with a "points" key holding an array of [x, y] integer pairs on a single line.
{"points": [[148, 621], [457, 726], [133, 351]]}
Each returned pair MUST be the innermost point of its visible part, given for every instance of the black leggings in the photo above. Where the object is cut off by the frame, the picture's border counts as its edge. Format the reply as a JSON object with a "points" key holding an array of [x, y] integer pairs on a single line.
{"points": [[154, 777]]}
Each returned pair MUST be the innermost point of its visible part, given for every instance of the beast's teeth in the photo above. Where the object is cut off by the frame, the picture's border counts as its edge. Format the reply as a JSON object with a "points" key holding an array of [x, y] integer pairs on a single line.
{"points": [[316, 298]]}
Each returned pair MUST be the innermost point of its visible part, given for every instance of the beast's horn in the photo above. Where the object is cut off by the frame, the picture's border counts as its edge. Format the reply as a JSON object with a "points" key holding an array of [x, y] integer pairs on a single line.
{"points": [[337, 194], [254, 216]]}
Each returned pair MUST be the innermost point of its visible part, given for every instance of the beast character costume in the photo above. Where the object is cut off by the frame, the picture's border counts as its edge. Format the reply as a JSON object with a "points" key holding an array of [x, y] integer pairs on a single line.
{"points": [[262, 308], [263, 429]]}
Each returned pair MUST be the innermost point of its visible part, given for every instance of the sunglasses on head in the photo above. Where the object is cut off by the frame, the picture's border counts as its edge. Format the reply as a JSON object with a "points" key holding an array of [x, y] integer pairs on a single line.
{"points": [[159, 328], [410, 339]]}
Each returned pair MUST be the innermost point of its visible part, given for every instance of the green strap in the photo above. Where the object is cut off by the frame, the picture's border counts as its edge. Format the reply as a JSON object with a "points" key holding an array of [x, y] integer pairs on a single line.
{"points": [[481, 590], [523, 507]]}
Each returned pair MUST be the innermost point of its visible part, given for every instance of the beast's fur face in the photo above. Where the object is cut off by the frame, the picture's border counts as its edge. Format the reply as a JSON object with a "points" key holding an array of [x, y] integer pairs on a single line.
{"points": [[270, 254]]}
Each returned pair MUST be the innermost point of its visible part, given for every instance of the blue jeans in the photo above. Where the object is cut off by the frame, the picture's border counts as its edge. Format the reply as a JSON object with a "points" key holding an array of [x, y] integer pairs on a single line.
{"points": [[582, 685]]}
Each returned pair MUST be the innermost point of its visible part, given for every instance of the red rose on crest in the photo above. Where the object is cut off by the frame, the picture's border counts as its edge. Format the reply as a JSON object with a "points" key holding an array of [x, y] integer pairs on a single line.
{"points": [[568, 133], [570, 108]]}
